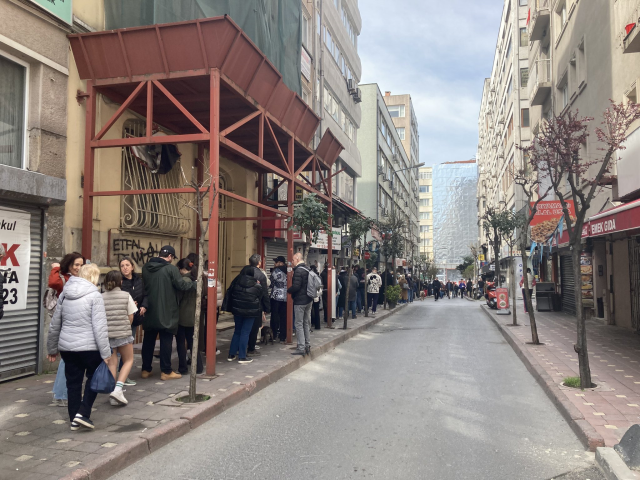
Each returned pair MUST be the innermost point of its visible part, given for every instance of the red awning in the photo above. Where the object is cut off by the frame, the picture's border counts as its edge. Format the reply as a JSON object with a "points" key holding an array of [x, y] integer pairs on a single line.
{"points": [[618, 219]]}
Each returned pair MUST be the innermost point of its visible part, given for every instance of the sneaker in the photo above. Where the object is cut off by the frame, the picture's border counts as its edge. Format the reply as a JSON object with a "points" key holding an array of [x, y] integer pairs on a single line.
{"points": [[255, 353], [231, 358], [75, 426], [118, 396], [217, 352], [62, 403], [245, 360], [83, 421], [145, 374], [170, 376], [130, 382], [257, 347], [299, 352]]}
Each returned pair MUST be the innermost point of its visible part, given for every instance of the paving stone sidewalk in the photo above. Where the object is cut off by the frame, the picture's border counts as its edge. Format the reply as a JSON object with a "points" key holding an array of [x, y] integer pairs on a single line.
{"points": [[37, 444], [614, 356]]}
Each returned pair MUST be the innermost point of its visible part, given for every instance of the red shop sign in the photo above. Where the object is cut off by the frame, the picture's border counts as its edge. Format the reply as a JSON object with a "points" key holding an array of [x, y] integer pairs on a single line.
{"points": [[503, 298]]}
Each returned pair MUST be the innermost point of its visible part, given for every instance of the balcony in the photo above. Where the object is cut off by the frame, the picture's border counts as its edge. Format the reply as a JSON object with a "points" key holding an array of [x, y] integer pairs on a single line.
{"points": [[540, 17], [539, 81]]}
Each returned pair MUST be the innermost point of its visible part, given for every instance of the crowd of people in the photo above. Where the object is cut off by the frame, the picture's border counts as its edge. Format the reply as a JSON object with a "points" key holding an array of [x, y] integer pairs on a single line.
{"points": [[454, 289]]}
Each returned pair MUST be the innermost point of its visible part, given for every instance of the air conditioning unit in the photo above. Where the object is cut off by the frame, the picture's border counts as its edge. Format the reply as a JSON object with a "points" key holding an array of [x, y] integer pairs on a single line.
{"points": [[357, 97], [352, 86], [396, 157], [380, 170]]}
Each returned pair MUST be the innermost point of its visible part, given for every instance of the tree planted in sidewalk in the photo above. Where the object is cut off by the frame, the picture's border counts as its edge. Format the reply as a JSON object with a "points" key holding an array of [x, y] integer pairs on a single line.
{"points": [[392, 245], [558, 154], [508, 223], [359, 228], [204, 188], [310, 216], [492, 221]]}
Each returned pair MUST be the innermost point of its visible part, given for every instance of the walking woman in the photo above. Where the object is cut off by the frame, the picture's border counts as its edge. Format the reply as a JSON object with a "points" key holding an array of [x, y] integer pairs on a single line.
{"points": [[132, 284], [119, 307], [60, 274], [79, 332]]}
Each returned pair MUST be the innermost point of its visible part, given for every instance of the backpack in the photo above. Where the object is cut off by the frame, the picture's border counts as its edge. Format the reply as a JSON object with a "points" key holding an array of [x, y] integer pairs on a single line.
{"points": [[314, 284], [50, 299]]}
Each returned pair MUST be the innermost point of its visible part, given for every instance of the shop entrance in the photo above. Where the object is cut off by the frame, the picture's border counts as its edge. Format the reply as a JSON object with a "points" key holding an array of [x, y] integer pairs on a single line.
{"points": [[568, 285], [634, 281]]}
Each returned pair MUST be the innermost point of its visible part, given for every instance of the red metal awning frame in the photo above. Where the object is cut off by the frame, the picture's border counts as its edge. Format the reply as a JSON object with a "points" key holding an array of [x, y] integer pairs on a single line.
{"points": [[203, 82]]}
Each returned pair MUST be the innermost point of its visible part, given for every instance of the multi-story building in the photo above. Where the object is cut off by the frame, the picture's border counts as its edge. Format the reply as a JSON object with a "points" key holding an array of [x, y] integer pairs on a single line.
{"points": [[388, 185], [504, 120], [425, 211]]}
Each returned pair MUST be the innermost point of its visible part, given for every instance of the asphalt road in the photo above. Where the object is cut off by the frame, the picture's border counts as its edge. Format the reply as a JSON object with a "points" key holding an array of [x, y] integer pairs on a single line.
{"points": [[433, 392]]}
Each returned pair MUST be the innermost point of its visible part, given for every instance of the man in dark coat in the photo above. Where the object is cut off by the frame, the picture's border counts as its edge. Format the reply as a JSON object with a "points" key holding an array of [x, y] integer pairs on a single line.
{"points": [[343, 302], [436, 288], [301, 304], [162, 281]]}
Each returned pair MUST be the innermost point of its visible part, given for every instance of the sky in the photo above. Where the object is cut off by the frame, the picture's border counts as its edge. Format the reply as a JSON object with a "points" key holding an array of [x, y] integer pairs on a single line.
{"points": [[440, 52]]}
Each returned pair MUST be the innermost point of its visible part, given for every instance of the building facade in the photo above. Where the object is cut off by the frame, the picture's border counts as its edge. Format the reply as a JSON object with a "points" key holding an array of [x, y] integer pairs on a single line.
{"points": [[389, 178], [504, 118], [425, 210]]}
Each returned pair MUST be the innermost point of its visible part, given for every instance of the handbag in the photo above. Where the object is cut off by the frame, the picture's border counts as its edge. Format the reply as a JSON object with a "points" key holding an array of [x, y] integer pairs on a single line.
{"points": [[102, 380], [50, 299]]}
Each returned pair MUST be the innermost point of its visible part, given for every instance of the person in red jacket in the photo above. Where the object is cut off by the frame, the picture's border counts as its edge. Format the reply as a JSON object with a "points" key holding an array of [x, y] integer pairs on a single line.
{"points": [[69, 265]]}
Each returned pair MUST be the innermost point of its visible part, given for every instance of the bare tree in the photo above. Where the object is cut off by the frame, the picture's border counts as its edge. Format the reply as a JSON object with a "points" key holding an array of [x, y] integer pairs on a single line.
{"points": [[202, 189]]}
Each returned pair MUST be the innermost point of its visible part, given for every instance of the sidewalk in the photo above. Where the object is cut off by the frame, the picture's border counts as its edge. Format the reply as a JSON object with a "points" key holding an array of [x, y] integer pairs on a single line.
{"points": [[36, 443], [602, 414]]}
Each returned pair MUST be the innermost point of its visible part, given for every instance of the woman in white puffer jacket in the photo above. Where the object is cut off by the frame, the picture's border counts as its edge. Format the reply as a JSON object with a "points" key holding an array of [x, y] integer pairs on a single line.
{"points": [[78, 330]]}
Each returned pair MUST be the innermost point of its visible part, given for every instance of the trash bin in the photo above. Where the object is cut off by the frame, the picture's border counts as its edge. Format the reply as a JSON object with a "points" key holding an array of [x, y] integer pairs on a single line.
{"points": [[544, 296]]}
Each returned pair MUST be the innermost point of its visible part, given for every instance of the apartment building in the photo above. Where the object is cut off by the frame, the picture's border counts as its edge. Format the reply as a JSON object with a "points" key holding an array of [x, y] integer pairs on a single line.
{"points": [[388, 184], [425, 210], [504, 118]]}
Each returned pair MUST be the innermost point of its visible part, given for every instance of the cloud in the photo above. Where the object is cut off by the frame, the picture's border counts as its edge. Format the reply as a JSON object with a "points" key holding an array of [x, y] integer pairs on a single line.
{"points": [[440, 53]]}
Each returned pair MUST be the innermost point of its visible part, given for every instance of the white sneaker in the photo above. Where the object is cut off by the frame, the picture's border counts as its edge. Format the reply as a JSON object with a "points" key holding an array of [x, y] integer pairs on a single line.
{"points": [[257, 347], [118, 396]]}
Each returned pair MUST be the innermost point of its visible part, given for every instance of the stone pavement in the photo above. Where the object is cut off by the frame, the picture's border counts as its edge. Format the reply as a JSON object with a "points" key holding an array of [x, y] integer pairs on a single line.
{"points": [[37, 444], [614, 356]]}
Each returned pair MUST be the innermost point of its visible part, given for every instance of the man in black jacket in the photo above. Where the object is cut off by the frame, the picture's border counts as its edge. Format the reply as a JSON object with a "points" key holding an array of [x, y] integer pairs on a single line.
{"points": [[249, 300], [301, 304], [436, 289]]}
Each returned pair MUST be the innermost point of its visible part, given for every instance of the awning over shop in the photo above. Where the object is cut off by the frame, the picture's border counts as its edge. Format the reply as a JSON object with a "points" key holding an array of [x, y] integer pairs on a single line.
{"points": [[618, 219]]}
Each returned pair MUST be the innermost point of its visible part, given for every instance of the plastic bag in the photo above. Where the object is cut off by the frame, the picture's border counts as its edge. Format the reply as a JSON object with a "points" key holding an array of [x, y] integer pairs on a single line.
{"points": [[102, 381]]}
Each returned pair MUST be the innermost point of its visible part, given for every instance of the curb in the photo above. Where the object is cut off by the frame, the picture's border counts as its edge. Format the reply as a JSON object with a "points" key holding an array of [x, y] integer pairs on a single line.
{"points": [[574, 417], [612, 465], [139, 447]]}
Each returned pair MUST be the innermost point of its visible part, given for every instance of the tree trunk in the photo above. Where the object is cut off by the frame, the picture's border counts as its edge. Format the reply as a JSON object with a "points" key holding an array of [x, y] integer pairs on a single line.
{"points": [[196, 325], [527, 296], [346, 296], [581, 345], [496, 254], [512, 272], [384, 285]]}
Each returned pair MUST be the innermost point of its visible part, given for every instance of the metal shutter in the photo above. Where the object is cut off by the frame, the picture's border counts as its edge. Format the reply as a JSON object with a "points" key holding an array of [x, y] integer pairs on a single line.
{"points": [[19, 330], [568, 285], [634, 276], [274, 249]]}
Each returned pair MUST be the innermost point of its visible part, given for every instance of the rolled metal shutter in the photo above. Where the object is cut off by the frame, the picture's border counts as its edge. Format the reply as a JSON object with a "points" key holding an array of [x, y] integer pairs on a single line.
{"points": [[568, 285], [19, 330], [274, 249]]}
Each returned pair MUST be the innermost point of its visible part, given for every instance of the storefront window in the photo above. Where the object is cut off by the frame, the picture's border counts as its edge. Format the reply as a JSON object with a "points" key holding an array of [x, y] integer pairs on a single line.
{"points": [[12, 112]]}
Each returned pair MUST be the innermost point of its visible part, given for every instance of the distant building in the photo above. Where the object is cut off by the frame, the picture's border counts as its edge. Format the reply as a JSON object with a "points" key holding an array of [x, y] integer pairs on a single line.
{"points": [[455, 213], [425, 211]]}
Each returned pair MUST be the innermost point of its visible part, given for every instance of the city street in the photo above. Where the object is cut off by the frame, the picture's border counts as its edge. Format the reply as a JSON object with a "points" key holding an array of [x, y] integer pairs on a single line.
{"points": [[432, 392]]}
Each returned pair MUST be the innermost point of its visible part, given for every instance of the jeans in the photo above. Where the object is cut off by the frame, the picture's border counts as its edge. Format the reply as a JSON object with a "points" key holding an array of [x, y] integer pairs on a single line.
{"points": [[184, 341], [410, 295], [303, 325], [149, 345], [241, 334], [352, 307], [253, 336], [373, 301], [359, 299], [315, 315], [279, 319], [60, 384], [76, 366]]}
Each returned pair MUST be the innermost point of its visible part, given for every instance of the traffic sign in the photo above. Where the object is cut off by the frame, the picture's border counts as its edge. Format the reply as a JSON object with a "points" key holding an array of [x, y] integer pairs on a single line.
{"points": [[367, 255]]}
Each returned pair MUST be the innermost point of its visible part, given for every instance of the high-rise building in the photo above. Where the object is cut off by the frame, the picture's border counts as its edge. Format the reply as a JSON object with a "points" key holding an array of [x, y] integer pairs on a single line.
{"points": [[425, 211], [389, 177]]}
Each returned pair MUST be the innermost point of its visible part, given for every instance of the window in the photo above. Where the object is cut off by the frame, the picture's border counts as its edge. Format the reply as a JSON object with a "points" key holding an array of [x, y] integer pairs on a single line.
{"points": [[13, 88], [427, 242], [425, 202], [336, 3], [510, 86], [508, 54], [524, 77], [524, 120], [425, 188], [400, 132], [561, 12], [425, 215], [425, 228], [396, 110], [510, 127], [524, 37], [305, 30], [346, 20], [523, 3], [425, 175]]}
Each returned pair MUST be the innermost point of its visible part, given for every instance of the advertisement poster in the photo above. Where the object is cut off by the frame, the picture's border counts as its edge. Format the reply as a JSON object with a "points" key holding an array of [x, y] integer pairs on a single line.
{"points": [[15, 235], [586, 276], [546, 219], [503, 298]]}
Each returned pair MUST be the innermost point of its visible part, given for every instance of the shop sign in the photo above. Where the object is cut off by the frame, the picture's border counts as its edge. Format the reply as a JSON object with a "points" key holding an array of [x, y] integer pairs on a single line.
{"points": [[299, 194], [15, 233], [503, 298], [323, 240], [305, 64], [59, 8], [547, 217], [586, 276], [481, 258]]}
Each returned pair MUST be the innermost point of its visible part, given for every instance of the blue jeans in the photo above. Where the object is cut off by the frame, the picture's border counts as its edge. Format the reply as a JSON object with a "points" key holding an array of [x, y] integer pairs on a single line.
{"points": [[359, 299], [352, 307], [410, 297], [240, 338], [60, 384]]}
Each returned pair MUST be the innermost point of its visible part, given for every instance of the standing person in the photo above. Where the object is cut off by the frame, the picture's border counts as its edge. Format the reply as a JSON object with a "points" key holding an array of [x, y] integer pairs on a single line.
{"points": [[301, 304], [260, 275], [532, 281], [315, 308], [343, 301], [402, 281], [455, 289], [249, 298], [469, 288], [79, 332], [119, 308], [480, 287], [187, 319], [374, 283], [132, 284], [61, 273], [410, 289], [436, 289], [462, 286], [162, 281], [360, 274], [279, 298], [325, 290]]}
